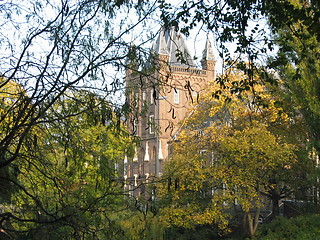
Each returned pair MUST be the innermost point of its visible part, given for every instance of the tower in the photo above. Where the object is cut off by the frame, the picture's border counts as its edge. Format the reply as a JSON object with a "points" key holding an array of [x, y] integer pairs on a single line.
{"points": [[162, 100]]}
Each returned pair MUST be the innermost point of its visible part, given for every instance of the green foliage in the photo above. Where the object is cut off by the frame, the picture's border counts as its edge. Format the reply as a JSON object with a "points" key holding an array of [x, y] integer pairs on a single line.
{"points": [[297, 60], [226, 152], [68, 184], [137, 225], [58, 149], [200, 232], [10, 116], [305, 227], [80, 45], [293, 30]]}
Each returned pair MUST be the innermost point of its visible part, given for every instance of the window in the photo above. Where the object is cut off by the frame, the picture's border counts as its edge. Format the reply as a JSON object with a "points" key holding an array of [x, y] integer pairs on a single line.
{"points": [[135, 127], [151, 124], [144, 98], [160, 155], [135, 157], [146, 155], [195, 95], [176, 96], [131, 190], [224, 188], [125, 181], [151, 96], [135, 179], [203, 152], [143, 95], [116, 166]]}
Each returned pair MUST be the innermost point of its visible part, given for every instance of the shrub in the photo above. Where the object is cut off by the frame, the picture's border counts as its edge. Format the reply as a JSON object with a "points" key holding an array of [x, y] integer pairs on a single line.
{"points": [[305, 227]]}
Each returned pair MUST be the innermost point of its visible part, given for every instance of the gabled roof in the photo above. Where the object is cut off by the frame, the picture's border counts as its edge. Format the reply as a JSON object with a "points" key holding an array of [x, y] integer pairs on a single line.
{"points": [[172, 44]]}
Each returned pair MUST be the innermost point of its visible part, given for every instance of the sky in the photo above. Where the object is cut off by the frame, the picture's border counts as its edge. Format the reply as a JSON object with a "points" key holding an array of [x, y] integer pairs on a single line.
{"points": [[15, 34]]}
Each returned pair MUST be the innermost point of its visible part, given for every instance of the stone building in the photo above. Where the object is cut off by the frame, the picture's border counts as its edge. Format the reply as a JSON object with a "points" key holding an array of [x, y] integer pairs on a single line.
{"points": [[162, 100]]}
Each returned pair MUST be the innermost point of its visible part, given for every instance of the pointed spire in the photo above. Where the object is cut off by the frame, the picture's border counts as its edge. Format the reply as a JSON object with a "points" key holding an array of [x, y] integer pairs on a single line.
{"points": [[160, 46], [208, 51], [163, 48]]}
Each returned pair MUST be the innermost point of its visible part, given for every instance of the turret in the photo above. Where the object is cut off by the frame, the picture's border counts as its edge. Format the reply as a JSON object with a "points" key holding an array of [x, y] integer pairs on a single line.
{"points": [[131, 61], [208, 61]]}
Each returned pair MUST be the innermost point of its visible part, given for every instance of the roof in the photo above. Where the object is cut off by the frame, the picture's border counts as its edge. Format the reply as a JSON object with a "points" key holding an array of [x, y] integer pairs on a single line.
{"points": [[208, 51], [172, 44]]}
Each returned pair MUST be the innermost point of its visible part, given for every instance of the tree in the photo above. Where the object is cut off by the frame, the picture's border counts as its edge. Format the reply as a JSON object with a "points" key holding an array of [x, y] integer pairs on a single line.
{"points": [[52, 52], [79, 45], [296, 31], [227, 151], [297, 62], [10, 95], [72, 47], [257, 28], [68, 185]]}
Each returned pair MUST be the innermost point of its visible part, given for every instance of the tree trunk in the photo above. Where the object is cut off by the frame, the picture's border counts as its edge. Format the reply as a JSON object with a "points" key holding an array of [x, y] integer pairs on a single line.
{"points": [[275, 198], [250, 225], [275, 206], [253, 222]]}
